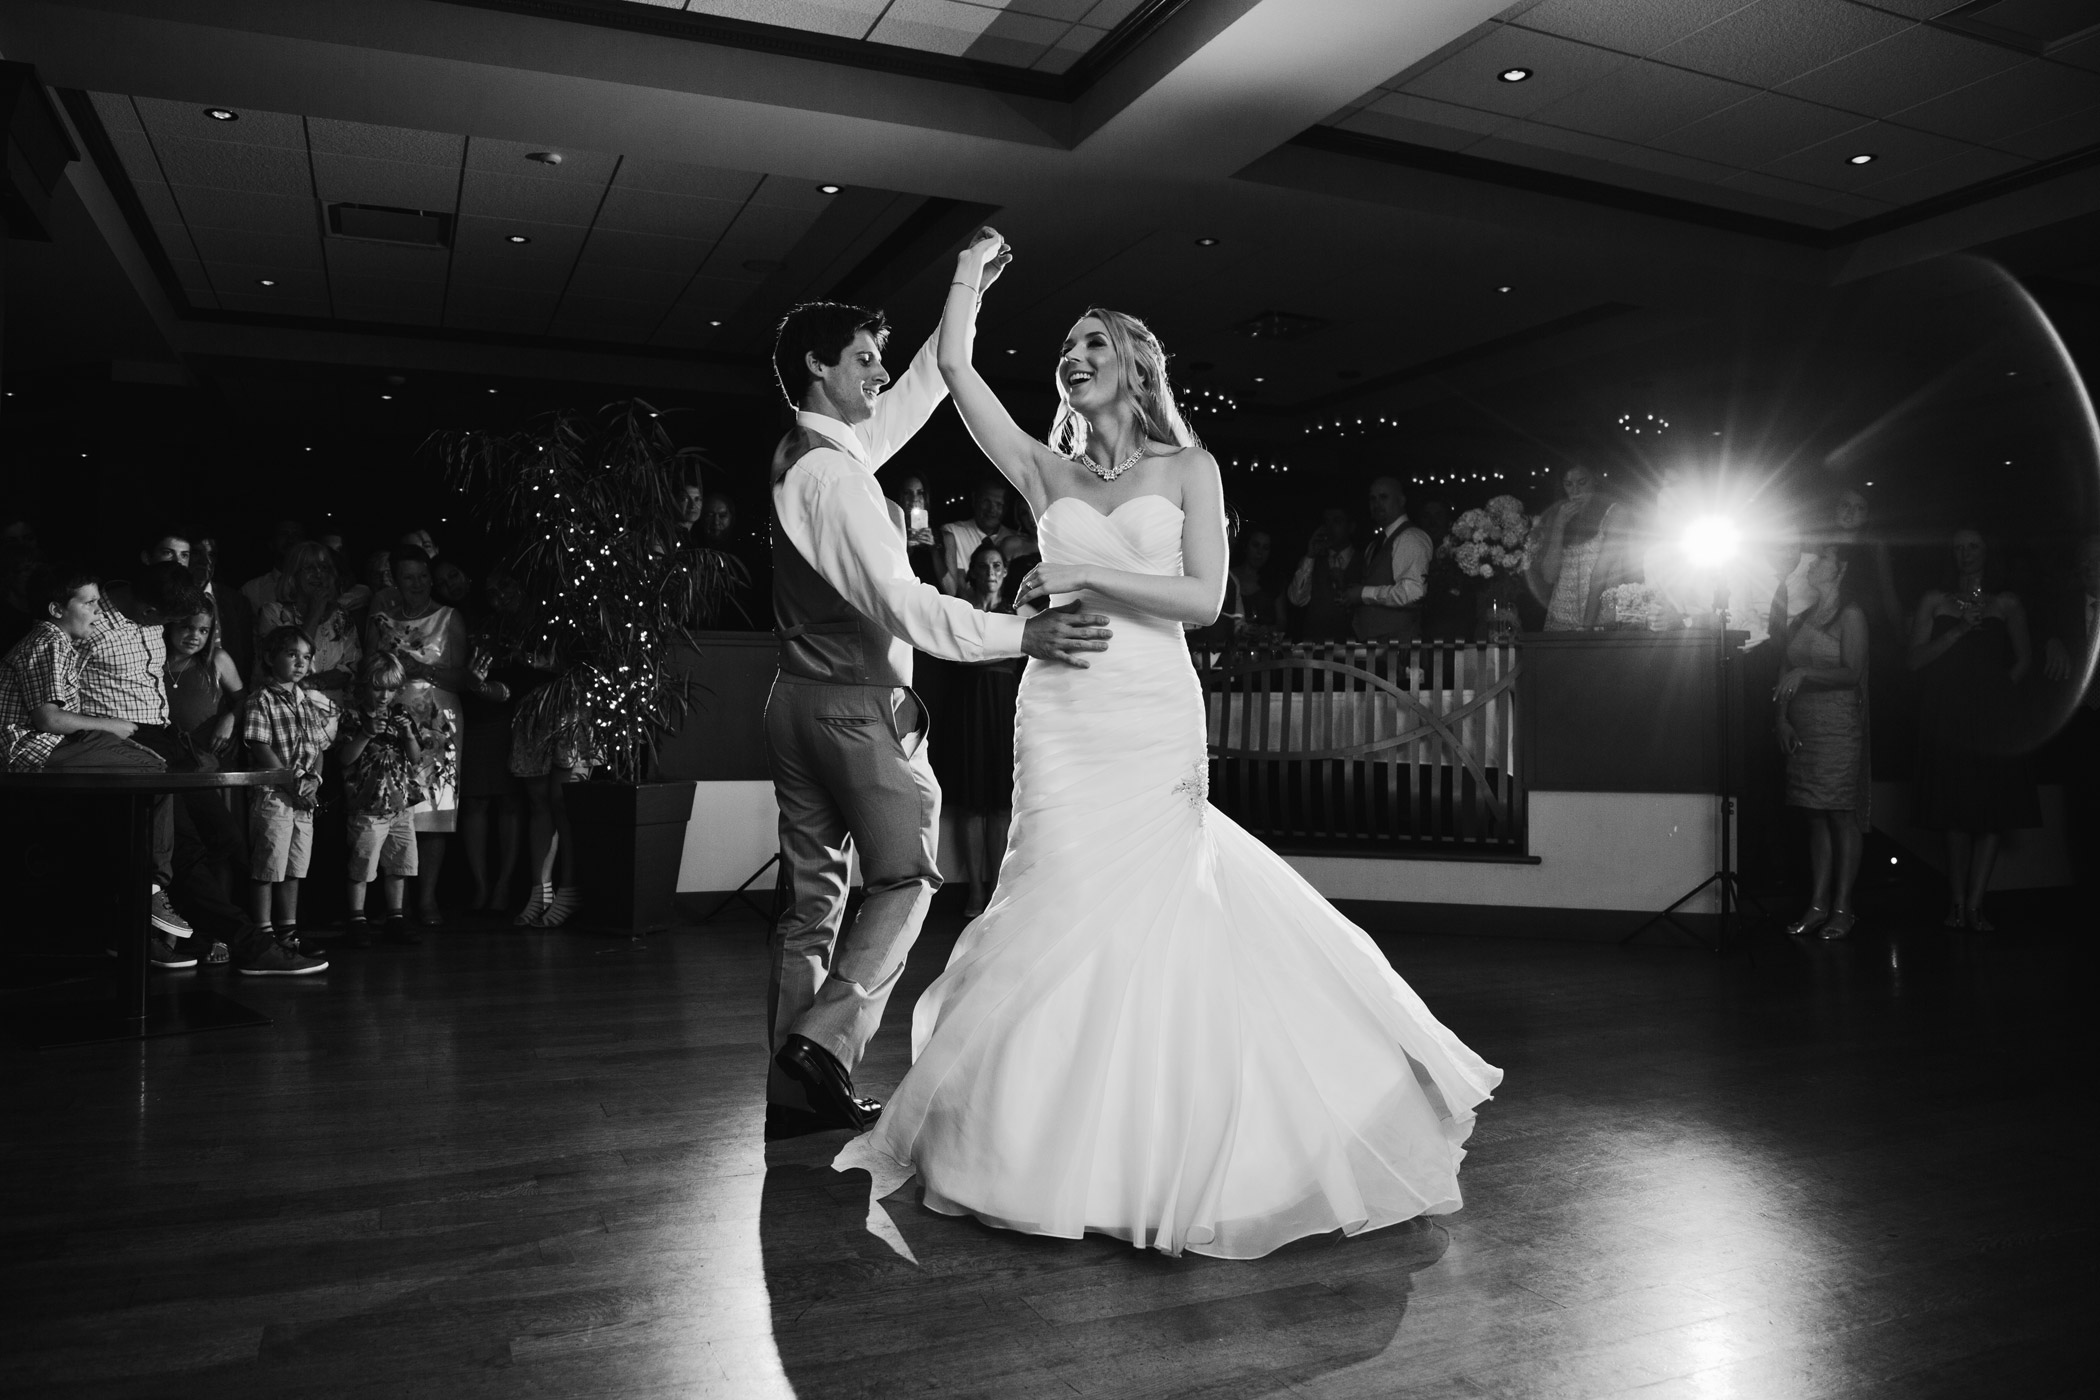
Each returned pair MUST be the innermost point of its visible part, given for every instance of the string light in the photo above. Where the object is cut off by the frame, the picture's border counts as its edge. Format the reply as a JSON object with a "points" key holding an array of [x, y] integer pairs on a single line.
{"points": [[1647, 424]]}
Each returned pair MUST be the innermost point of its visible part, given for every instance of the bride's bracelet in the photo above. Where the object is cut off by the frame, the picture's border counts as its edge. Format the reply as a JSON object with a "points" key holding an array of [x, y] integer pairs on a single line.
{"points": [[973, 287]]}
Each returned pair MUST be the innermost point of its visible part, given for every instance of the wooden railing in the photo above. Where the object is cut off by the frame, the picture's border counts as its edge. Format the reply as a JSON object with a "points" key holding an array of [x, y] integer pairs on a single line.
{"points": [[1350, 748]]}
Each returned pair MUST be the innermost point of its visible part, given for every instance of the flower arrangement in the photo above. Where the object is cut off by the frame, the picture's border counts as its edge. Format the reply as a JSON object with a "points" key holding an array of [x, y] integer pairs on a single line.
{"points": [[1636, 606], [1491, 541]]}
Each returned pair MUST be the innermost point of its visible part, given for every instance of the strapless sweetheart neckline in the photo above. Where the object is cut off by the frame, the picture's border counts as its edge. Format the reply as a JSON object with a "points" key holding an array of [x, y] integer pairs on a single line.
{"points": [[1111, 513]]}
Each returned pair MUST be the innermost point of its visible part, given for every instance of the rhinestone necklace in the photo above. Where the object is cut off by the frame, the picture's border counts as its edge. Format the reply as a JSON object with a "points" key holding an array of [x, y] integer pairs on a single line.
{"points": [[1111, 473]]}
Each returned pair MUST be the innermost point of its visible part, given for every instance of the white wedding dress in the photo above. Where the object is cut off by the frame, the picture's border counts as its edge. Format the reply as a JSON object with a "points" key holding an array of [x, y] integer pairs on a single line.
{"points": [[1158, 1030]]}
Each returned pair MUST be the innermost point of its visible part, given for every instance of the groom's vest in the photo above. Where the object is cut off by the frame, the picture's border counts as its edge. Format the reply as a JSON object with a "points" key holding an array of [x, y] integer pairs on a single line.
{"points": [[822, 636]]}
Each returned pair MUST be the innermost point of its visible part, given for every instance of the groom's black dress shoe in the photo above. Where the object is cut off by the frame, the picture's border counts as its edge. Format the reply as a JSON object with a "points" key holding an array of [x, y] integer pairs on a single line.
{"points": [[830, 1088]]}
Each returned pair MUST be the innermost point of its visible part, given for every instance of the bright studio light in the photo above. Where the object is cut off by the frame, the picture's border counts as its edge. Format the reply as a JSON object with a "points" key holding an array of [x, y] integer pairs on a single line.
{"points": [[1711, 540]]}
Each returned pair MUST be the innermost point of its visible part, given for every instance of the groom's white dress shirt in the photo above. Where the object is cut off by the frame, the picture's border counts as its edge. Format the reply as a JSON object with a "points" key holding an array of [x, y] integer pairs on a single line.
{"points": [[833, 512]]}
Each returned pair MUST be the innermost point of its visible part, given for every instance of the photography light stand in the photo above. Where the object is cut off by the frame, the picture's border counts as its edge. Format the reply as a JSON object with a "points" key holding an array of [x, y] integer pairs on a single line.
{"points": [[1727, 746]]}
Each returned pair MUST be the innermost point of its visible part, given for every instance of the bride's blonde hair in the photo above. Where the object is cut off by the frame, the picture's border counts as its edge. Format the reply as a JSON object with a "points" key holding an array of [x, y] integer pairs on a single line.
{"points": [[1145, 387]]}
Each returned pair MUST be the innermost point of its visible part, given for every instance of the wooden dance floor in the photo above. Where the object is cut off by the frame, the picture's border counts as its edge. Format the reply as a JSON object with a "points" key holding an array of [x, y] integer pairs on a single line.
{"points": [[531, 1164]]}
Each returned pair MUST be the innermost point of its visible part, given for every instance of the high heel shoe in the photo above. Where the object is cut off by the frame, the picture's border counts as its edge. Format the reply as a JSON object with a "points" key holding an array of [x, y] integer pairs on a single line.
{"points": [[1841, 923], [1811, 919], [566, 901], [529, 916]]}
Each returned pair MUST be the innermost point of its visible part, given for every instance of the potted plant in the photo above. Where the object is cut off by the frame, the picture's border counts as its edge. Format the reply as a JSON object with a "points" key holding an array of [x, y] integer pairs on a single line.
{"points": [[583, 510]]}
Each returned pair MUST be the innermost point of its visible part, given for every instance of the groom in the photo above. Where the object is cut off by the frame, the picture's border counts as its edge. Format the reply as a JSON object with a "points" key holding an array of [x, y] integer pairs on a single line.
{"points": [[846, 734]]}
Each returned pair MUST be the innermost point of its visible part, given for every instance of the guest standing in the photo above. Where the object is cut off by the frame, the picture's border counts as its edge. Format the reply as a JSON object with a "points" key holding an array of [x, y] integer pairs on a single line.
{"points": [[313, 597], [1324, 577], [1388, 601], [431, 639], [286, 726], [1969, 648], [959, 538], [1571, 569], [1822, 728], [1260, 604], [976, 767], [491, 798], [382, 748], [911, 496]]}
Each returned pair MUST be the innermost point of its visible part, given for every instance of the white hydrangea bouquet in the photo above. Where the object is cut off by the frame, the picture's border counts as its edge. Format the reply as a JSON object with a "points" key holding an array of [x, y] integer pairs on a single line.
{"points": [[1491, 541]]}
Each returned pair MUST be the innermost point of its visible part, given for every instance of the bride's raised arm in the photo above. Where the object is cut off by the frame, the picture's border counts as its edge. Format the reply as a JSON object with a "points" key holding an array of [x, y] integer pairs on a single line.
{"points": [[1014, 452]]}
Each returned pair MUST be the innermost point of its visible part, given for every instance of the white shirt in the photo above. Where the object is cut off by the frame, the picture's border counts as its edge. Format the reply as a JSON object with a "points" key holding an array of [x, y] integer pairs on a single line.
{"points": [[833, 512], [1411, 549]]}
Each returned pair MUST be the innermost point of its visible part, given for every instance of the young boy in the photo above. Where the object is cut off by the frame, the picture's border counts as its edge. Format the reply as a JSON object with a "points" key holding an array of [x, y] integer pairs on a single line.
{"points": [[286, 726], [382, 750]]}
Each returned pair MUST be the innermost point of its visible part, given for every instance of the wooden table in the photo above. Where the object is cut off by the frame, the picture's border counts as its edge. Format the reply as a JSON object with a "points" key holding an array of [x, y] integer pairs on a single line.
{"points": [[131, 1014]]}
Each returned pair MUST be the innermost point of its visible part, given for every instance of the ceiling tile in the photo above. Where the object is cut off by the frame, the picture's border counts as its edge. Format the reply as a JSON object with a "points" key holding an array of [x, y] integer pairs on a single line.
{"points": [[1559, 67], [1965, 167], [1631, 26], [627, 283], [1644, 101], [513, 158], [186, 119], [1773, 40], [528, 200], [782, 192], [969, 31], [383, 313], [351, 257], [1891, 75], [607, 318], [645, 251], [385, 142], [2055, 138], [116, 112], [397, 184], [666, 215], [1074, 45], [287, 216], [676, 177], [2018, 98], [523, 309], [386, 291], [236, 278], [1066, 10], [707, 297], [1466, 121], [2085, 53], [481, 254], [1758, 130], [269, 305], [1895, 149], [849, 19], [1854, 206], [276, 255], [1772, 187], [1591, 163], [1107, 14], [223, 165]]}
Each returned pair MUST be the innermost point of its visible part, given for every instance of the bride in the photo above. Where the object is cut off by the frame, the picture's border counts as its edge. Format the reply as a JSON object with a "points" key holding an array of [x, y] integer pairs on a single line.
{"points": [[1157, 1030]]}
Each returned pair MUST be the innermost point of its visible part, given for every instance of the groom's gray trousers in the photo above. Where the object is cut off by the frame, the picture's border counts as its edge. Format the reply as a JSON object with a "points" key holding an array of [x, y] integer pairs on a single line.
{"points": [[851, 775]]}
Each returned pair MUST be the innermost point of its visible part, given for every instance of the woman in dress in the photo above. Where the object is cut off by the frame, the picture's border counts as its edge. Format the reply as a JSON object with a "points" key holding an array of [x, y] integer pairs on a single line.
{"points": [[431, 639], [1570, 570], [975, 762], [1158, 1031], [1822, 729], [312, 597], [1969, 648]]}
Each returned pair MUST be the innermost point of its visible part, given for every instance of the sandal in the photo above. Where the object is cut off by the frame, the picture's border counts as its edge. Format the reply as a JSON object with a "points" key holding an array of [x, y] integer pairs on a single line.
{"points": [[1957, 917], [1841, 924], [1810, 919]]}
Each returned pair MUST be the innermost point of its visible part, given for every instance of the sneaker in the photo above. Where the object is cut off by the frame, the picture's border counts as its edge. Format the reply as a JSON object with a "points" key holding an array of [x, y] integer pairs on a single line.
{"points": [[357, 933], [276, 960], [166, 919], [163, 953], [396, 930]]}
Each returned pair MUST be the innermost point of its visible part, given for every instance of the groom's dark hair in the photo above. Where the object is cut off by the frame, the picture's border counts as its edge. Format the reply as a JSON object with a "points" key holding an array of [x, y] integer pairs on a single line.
{"points": [[823, 329]]}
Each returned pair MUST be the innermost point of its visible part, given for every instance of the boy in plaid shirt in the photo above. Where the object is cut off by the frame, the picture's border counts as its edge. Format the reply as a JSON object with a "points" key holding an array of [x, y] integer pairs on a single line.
{"points": [[382, 748], [286, 726]]}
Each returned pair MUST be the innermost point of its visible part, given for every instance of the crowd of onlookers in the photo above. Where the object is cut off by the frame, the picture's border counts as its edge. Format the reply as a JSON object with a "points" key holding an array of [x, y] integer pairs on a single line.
{"points": [[386, 693]]}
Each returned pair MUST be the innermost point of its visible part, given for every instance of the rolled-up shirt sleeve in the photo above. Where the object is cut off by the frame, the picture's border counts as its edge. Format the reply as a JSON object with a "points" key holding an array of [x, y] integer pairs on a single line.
{"points": [[903, 408], [832, 511]]}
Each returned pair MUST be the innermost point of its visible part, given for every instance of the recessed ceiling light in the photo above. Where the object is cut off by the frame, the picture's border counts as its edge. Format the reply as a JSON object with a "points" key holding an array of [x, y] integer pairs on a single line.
{"points": [[1501, 289], [714, 323], [1863, 158], [516, 238], [1258, 379], [386, 396], [1206, 243], [492, 391], [222, 114], [1513, 75], [266, 281], [827, 189]]}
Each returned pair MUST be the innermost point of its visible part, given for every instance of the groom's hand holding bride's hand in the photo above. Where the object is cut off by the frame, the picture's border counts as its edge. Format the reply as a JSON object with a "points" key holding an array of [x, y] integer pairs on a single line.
{"points": [[991, 254], [1060, 634]]}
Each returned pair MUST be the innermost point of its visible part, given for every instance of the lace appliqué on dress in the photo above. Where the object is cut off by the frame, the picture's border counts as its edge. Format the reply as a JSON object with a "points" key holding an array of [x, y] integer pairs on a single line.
{"points": [[1196, 786]]}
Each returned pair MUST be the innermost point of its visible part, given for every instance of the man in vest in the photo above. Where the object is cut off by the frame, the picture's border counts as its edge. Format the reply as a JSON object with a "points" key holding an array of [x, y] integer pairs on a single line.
{"points": [[1396, 571], [845, 733]]}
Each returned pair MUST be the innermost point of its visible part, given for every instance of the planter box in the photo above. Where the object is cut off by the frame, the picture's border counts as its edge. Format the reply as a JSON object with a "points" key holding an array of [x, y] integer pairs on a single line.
{"points": [[630, 838]]}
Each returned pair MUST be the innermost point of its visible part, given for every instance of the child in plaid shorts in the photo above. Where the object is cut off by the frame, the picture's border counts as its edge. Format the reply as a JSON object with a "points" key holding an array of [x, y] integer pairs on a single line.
{"points": [[382, 748], [286, 726]]}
